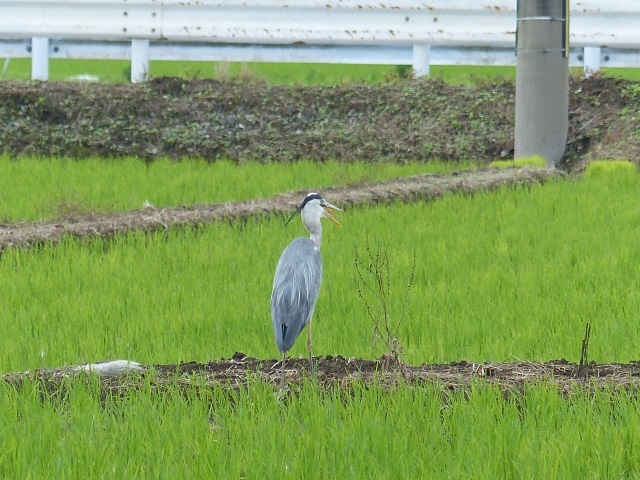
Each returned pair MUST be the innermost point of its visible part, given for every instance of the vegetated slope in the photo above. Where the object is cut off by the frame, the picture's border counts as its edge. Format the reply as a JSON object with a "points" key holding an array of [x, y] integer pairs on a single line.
{"points": [[415, 120]]}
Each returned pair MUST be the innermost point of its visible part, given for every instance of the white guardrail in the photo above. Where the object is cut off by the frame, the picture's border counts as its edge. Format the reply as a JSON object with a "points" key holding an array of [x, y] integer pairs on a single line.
{"points": [[397, 32]]}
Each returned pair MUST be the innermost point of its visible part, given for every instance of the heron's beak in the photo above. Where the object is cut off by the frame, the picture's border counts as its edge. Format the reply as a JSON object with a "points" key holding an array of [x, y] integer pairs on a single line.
{"points": [[327, 213]]}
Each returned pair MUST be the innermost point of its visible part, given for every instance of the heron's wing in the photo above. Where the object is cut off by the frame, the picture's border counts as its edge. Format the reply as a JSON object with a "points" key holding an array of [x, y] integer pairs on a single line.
{"points": [[295, 290]]}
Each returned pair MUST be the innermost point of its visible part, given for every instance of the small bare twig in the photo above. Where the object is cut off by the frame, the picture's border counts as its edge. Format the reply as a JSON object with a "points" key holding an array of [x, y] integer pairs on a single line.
{"points": [[374, 289]]}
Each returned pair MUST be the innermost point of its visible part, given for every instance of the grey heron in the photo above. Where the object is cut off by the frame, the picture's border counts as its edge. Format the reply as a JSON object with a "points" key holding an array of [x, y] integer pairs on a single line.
{"points": [[298, 276]]}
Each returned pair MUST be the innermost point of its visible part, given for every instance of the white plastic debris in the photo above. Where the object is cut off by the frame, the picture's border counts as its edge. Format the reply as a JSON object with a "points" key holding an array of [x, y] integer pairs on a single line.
{"points": [[112, 368]]}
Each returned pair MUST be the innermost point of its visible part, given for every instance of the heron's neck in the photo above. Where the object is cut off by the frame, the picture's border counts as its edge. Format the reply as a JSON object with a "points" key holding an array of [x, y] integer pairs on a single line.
{"points": [[315, 232], [317, 238], [311, 222]]}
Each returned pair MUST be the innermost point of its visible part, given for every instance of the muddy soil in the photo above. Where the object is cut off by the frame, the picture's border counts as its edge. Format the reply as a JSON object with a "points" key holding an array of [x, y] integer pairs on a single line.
{"points": [[240, 371]]}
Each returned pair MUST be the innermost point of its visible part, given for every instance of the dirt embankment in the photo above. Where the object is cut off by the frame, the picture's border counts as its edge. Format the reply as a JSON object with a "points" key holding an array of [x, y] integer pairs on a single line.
{"points": [[403, 121], [239, 371]]}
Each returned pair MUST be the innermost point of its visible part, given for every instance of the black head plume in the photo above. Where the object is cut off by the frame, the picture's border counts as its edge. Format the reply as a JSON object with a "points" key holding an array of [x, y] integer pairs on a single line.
{"points": [[307, 199]]}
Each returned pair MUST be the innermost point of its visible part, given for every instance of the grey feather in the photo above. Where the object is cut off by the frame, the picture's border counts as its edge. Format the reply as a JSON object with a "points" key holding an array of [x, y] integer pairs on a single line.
{"points": [[296, 286]]}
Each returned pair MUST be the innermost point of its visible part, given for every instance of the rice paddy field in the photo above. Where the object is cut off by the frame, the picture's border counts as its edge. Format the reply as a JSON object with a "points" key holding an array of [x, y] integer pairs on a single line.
{"points": [[501, 276], [510, 276], [63, 187], [274, 73]]}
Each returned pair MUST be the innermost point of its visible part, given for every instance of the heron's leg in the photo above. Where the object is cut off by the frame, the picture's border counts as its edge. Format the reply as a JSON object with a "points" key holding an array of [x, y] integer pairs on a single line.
{"points": [[309, 347], [284, 358]]}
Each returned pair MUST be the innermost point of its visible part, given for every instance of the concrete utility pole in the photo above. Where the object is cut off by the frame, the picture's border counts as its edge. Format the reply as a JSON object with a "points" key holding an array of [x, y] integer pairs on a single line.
{"points": [[542, 79]]}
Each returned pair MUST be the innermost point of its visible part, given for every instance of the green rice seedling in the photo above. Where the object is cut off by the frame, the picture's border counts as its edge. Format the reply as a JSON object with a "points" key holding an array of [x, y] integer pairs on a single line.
{"points": [[70, 69], [140, 434], [533, 161], [334, 74], [37, 189], [372, 432], [119, 71], [299, 73], [623, 170], [541, 434], [632, 74], [509, 275]]}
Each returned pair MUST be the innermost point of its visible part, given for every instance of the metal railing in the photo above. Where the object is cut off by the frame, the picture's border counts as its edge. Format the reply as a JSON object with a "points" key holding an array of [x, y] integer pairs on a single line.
{"points": [[440, 32]]}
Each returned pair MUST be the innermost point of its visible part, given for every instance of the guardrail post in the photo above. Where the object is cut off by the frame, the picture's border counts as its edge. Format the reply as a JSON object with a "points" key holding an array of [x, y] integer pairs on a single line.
{"points": [[40, 58], [591, 57], [420, 60], [139, 60], [542, 79]]}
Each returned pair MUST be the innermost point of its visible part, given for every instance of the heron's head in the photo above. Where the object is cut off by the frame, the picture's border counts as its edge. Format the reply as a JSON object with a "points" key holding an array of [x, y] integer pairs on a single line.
{"points": [[314, 207]]}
